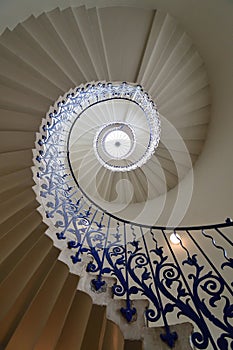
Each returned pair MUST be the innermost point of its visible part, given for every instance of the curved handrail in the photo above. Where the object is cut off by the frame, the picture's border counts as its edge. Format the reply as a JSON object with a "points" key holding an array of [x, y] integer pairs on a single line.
{"points": [[140, 256]]}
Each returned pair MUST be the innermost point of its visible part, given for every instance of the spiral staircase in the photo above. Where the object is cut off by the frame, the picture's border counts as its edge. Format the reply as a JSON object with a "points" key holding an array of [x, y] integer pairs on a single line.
{"points": [[47, 300]]}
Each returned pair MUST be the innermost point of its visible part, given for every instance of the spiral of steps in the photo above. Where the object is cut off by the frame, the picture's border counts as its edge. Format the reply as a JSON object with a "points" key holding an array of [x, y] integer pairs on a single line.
{"points": [[41, 59], [44, 310]]}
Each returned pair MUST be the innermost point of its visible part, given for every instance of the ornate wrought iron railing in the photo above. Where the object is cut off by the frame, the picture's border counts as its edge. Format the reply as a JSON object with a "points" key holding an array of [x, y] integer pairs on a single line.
{"points": [[184, 280], [191, 280]]}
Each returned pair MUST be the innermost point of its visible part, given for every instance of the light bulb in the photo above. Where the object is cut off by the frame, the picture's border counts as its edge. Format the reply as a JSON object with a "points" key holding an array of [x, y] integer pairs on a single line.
{"points": [[175, 238]]}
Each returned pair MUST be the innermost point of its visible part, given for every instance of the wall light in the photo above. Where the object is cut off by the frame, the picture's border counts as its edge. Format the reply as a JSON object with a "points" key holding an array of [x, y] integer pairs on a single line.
{"points": [[175, 238]]}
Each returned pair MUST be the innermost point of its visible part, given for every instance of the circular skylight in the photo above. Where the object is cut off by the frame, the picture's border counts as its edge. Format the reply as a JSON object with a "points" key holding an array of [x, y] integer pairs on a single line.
{"points": [[114, 143], [117, 144]]}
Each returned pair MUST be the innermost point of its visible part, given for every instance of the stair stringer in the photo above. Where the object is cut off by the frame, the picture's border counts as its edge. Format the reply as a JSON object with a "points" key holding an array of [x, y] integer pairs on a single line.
{"points": [[104, 297], [135, 333]]}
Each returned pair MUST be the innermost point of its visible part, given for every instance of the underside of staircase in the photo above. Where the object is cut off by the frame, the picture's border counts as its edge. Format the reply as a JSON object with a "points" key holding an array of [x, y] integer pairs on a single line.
{"points": [[44, 304], [47, 307]]}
